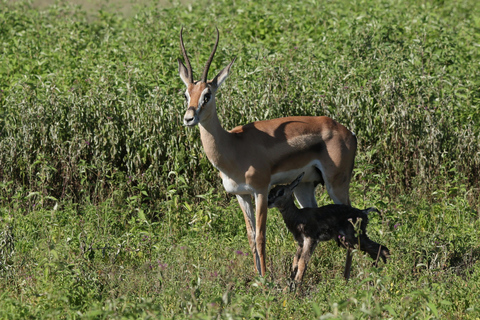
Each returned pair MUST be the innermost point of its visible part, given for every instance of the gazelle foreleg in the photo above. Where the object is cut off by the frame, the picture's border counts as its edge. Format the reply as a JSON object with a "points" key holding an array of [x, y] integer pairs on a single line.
{"points": [[245, 201], [261, 206]]}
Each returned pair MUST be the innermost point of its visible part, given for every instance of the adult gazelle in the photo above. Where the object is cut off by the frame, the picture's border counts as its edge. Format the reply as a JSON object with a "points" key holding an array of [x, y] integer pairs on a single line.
{"points": [[254, 157]]}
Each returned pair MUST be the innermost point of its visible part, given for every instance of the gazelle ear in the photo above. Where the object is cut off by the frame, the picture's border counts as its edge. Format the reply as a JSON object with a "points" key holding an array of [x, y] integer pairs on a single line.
{"points": [[182, 70], [222, 75], [295, 182]]}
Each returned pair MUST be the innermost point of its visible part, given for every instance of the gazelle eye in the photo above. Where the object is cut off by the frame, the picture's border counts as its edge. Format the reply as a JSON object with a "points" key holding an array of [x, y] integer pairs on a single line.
{"points": [[185, 96], [207, 97]]}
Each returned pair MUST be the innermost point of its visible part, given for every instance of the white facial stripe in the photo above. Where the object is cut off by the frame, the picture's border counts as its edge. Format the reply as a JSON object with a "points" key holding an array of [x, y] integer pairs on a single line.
{"points": [[200, 102]]}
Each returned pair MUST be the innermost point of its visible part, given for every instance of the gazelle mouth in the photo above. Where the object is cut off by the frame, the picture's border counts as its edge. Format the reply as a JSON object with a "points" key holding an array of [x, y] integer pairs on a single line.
{"points": [[190, 122]]}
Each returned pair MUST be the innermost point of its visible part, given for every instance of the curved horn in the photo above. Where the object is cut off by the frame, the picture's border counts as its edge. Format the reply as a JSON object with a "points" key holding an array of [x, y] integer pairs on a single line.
{"points": [[187, 61], [207, 66]]}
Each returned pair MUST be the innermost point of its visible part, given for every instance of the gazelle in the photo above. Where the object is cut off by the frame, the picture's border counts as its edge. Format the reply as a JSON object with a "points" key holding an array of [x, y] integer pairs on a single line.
{"points": [[258, 155]]}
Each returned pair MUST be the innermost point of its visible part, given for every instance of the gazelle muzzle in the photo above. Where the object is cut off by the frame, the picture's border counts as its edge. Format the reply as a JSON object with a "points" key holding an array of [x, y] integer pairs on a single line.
{"points": [[191, 117]]}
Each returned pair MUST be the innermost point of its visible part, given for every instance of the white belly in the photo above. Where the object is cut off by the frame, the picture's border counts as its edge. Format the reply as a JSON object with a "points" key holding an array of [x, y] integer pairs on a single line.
{"points": [[240, 187]]}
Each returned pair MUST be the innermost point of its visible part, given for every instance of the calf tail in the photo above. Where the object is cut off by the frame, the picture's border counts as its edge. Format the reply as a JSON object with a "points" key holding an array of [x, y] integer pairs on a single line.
{"points": [[371, 209], [375, 250]]}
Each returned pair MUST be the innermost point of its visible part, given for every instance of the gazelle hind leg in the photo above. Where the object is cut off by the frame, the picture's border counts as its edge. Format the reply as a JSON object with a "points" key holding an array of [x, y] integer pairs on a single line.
{"points": [[338, 188], [337, 184], [305, 195]]}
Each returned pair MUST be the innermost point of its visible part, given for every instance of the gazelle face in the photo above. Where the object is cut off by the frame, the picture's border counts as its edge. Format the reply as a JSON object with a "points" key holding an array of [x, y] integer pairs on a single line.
{"points": [[200, 95]]}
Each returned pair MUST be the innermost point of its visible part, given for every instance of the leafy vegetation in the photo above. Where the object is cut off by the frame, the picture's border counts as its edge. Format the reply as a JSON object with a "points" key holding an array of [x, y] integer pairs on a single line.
{"points": [[109, 208]]}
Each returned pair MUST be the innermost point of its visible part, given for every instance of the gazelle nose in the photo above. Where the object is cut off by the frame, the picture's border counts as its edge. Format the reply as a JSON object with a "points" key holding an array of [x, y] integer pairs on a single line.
{"points": [[190, 114], [189, 117]]}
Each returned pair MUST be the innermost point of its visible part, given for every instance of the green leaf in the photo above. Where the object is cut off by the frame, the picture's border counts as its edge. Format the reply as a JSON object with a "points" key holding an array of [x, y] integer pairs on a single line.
{"points": [[390, 310], [141, 215], [433, 308]]}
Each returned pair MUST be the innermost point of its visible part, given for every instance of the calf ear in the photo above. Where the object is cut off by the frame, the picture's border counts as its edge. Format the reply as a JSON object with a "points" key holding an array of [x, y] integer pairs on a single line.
{"points": [[295, 182]]}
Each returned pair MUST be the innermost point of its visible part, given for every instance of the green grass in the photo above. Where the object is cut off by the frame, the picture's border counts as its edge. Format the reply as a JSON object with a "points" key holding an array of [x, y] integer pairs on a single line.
{"points": [[109, 208]]}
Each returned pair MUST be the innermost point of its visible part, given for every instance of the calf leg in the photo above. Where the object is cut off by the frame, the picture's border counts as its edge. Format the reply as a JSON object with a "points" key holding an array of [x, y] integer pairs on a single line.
{"points": [[308, 247], [348, 264], [295, 261]]}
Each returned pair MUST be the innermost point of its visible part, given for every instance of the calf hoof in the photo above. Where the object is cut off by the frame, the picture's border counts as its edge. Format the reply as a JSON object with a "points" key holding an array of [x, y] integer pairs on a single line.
{"points": [[293, 286]]}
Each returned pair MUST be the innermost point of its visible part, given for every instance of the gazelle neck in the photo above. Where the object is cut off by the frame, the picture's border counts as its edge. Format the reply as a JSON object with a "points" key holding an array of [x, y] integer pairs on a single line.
{"points": [[215, 139]]}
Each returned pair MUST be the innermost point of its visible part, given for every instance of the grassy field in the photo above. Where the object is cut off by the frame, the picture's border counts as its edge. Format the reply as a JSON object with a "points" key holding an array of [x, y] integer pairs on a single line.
{"points": [[110, 210], [126, 8]]}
